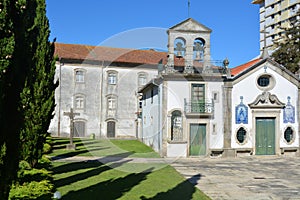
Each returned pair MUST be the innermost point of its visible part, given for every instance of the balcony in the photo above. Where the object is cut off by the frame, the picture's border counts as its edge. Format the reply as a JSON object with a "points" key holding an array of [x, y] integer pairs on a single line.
{"points": [[199, 108]]}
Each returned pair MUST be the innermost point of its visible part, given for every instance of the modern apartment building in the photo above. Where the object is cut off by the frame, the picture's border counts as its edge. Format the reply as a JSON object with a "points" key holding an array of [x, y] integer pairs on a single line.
{"points": [[273, 15]]}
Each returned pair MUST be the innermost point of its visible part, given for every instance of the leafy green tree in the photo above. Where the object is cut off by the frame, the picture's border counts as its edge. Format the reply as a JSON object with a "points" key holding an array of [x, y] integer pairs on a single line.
{"points": [[12, 77], [25, 68], [288, 48], [37, 97]]}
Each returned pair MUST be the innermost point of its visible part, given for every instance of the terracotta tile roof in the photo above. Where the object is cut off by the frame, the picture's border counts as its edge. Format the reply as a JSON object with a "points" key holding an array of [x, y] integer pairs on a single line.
{"points": [[235, 71], [120, 55], [100, 53]]}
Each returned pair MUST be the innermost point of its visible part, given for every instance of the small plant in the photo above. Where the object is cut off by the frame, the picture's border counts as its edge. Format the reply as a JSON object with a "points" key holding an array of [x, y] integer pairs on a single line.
{"points": [[92, 136], [47, 148]]}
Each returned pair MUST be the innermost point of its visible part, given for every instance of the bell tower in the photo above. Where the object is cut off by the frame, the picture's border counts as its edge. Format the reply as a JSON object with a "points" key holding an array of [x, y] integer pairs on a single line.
{"points": [[189, 40]]}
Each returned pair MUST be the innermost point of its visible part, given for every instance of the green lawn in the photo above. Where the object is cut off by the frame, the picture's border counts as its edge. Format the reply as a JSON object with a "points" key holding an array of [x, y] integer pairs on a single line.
{"points": [[121, 180], [104, 147]]}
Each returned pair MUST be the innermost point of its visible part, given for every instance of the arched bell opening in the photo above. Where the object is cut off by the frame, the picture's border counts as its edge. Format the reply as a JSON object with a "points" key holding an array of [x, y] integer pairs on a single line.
{"points": [[198, 48], [179, 47]]}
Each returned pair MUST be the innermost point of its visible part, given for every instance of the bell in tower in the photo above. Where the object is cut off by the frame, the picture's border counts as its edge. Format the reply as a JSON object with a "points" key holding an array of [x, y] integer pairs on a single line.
{"points": [[199, 50], [189, 40], [179, 49]]}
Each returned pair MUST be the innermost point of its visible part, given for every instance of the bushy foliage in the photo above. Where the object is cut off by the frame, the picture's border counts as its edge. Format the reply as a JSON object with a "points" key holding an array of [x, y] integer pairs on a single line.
{"points": [[32, 190], [288, 48], [32, 183], [37, 97], [47, 148], [26, 85]]}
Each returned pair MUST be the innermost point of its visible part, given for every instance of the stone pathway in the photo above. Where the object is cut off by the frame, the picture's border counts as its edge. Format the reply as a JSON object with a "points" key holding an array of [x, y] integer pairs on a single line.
{"points": [[255, 177], [245, 178]]}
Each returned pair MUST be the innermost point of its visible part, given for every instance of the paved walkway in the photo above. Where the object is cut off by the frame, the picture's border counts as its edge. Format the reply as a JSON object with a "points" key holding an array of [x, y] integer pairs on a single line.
{"points": [[255, 177]]}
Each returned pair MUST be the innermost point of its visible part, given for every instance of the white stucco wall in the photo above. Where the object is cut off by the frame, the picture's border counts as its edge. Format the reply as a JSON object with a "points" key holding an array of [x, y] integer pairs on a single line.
{"points": [[247, 88], [151, 118], [95, 91], [179, 90], [68, 89]]}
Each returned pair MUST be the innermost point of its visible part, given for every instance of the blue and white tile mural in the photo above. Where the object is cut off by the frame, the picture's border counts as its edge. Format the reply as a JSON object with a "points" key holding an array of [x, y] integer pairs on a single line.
{"points": [[241, 113], [289, 112]]}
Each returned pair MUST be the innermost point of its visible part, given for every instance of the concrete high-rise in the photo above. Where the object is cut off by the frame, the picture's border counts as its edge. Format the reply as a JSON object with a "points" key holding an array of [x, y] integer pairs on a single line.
{"points": [[275, 14]]}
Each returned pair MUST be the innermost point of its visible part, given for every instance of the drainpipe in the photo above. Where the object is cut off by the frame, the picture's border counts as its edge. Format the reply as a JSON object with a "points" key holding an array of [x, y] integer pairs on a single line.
{"points": [[101, 100]]}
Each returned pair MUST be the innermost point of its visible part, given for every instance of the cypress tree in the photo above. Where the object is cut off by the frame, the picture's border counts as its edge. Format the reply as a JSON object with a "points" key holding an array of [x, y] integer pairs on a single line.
{"points": [[12, 78], [288, 48], [37, 97], [26, 83]]}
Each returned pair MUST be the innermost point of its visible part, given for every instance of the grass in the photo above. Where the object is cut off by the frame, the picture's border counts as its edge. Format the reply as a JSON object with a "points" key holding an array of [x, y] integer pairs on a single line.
{"points": [[104, 147], [119, 180]]}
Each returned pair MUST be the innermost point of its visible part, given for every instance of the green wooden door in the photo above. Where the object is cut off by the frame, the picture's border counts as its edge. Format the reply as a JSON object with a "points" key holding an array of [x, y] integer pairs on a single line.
{"points": [[197, 139], [265, 136]]}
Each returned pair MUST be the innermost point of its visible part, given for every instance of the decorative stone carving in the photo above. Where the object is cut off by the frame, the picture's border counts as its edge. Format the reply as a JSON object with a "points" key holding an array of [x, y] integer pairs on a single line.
{"points": [[188, 68], [267, 100], [207, 69], [169, 67]]}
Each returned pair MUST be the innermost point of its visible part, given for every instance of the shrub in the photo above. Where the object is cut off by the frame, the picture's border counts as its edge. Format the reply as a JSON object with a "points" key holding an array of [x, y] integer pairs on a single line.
{"points": [[33, 183], [32, 190], [47, 148]]}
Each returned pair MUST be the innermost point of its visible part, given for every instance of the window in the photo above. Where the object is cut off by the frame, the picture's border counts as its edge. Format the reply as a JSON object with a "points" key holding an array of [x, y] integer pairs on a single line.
{"points": [[288, 135], [112, 78], [79, 102], [79, 76], [263, 81], [152, 94], [241, 135], [142, 79], [176, 126], [198, 98], [111, 107], [198, 92], [215, 97]]}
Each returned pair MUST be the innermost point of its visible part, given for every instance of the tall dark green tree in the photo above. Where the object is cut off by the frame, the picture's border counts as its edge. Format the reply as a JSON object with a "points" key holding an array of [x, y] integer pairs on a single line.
{"points": [[25, 68], [288, 48], [37, 97]]}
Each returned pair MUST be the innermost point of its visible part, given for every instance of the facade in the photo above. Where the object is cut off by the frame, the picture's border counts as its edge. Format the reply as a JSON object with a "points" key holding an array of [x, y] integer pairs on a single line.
{"points": [[178, 102], [196, 109], [273, 15], [100, 84]]}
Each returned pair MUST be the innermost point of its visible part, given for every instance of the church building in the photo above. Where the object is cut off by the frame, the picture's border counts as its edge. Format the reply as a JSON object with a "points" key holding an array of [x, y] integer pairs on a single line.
{"points": [[178, 102], [196, 109]]}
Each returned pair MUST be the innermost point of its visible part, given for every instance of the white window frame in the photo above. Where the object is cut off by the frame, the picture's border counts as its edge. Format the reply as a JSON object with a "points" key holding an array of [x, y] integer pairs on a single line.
{"points": [[79, 102], [79, 76], [112, 78]]}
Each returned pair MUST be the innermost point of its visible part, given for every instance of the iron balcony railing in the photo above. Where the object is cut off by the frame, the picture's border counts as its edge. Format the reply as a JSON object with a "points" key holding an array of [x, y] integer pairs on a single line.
{"points": [[199, 107]]}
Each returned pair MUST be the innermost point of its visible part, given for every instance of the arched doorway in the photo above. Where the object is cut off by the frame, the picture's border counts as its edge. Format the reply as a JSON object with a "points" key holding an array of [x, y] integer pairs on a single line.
{"points": [[111, 129]]}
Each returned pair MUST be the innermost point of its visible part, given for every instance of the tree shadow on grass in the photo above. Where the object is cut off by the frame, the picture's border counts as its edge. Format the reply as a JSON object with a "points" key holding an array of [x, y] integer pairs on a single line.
{"points": [[75, 153], [110, 189], [182, 191], [62, 144], [98, 168], [93, 163]]}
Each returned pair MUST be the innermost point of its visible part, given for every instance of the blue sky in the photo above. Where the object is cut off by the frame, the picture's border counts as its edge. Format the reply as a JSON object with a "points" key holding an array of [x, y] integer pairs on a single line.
{"points": [[142, 24]]}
